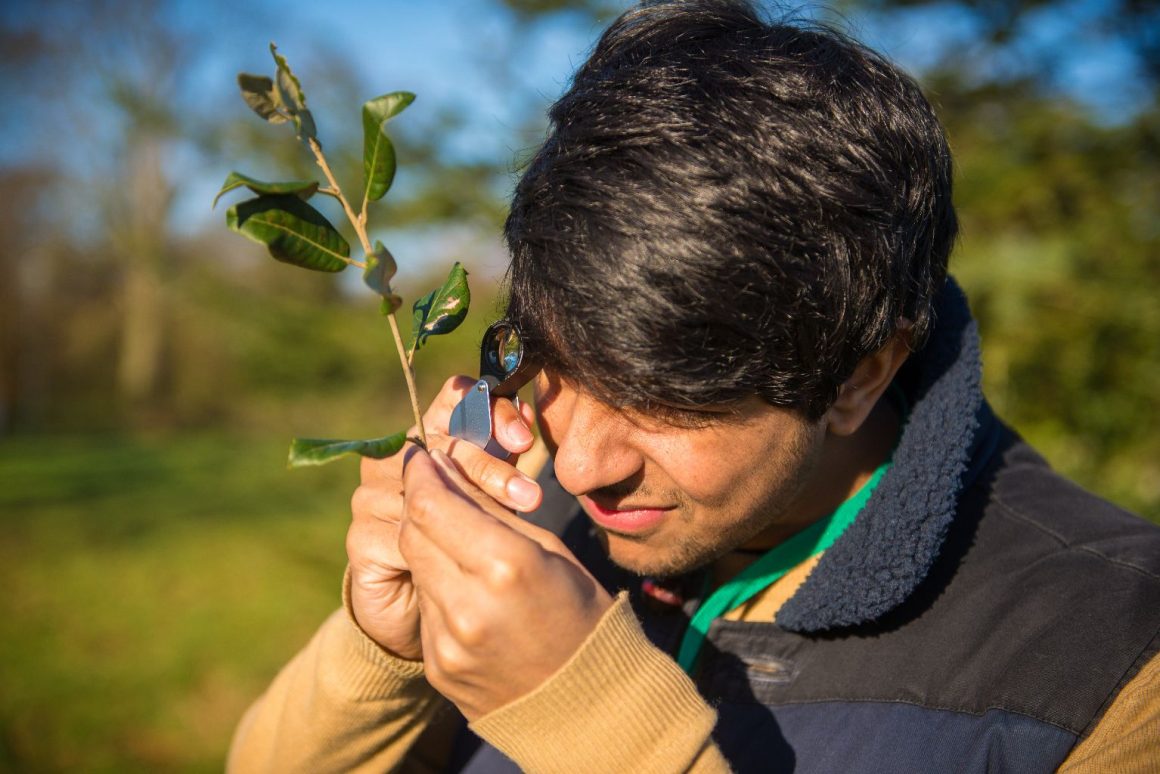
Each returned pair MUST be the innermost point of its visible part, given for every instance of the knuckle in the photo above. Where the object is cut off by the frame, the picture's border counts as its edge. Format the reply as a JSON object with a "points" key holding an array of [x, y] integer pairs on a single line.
{"points": [[406, 537], [454, 383], [450, 658], [355, 533], [438, 440], [467, 628], [374, 502], [360, 502], [419, 510], [483, 471], [502, 574], [354, 542], [554, 544]]}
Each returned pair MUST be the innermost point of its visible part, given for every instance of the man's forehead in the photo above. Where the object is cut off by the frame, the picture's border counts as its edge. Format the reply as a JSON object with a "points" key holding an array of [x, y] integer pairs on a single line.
{"points": [[658, 412]]}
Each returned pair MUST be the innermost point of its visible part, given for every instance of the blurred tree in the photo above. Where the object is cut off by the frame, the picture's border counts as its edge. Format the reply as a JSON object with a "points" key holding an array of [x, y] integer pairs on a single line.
{"points": [[1060, 247], [1057, 196], [110, 191], [23, 300]]}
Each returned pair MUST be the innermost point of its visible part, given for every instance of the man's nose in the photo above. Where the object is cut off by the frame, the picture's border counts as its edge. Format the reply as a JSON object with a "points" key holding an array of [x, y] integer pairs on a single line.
{"points": [[597, 448]]}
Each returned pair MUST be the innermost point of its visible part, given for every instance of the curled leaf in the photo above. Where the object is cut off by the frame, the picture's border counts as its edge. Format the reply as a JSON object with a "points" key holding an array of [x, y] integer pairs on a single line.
{"points": [[303, 189], [380, 270], [378, 151], [289, 88], [304, 126], [319, 451], [259, 93], [291, 97], [292, 230], [442, 310]]}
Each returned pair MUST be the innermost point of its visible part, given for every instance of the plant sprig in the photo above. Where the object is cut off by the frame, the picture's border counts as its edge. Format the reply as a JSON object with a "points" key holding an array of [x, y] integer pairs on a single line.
{"points": [[294, 232]]}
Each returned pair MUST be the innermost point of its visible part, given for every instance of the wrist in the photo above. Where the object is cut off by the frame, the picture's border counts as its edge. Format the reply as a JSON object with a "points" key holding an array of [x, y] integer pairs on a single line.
{"points": [[618, 688]]}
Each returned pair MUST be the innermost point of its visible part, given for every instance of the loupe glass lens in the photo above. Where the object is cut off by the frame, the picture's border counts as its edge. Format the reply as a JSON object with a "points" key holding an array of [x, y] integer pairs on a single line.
{"points": [[504, 350], [510, 348]]}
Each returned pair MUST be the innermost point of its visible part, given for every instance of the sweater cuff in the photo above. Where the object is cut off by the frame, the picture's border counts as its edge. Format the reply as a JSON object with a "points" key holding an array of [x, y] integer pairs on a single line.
{"points": [[372, 671], [619, 704]]}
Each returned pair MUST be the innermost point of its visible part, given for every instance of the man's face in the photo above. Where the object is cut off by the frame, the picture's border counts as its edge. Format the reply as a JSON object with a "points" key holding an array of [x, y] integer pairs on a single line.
{"points": [[673, 493]]}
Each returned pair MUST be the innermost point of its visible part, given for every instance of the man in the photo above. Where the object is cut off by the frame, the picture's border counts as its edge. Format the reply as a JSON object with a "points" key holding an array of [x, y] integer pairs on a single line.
{"points": [[781, 529]]}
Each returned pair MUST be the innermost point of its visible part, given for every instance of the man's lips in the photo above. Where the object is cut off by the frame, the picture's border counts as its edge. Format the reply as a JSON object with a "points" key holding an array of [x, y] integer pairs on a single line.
{"points": [[631, 520]]}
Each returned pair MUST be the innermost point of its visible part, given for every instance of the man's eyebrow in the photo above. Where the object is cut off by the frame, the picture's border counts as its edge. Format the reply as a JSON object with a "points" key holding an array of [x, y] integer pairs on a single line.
{"points": [[693, 416]]}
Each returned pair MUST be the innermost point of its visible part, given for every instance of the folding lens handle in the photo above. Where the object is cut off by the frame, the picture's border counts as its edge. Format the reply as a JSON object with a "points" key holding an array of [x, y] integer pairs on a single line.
{"points": [[503, 370]]}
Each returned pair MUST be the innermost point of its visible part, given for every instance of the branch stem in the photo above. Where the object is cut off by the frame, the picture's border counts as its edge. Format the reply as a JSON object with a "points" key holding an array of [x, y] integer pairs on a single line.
{"points": [[359, 223], [409, 375], [320, 159]]}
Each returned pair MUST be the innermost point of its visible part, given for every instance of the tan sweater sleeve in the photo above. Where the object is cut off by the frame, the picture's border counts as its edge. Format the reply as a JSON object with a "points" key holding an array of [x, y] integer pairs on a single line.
{"points": [[1127, 739], [619, 704], [341, 704]]}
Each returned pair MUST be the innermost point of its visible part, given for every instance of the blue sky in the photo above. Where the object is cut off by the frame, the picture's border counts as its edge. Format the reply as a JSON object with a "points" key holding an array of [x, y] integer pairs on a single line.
{"points": [[463, 55]]}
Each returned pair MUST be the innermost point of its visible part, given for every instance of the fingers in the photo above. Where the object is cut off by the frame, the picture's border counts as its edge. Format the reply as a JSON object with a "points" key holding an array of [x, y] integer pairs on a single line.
{"points": [[528, 412], [511, 428], [450, 490], [441, 506], [438, 414], [378, 500], [374, 548], [498, 479]]}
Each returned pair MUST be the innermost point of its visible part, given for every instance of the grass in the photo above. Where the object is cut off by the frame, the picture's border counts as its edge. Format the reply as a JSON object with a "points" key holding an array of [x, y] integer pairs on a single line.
{"points": [[151, 589]]}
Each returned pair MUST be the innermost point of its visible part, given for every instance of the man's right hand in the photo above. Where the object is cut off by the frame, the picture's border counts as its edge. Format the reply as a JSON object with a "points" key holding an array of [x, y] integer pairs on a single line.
{"points": [[382, 597]]}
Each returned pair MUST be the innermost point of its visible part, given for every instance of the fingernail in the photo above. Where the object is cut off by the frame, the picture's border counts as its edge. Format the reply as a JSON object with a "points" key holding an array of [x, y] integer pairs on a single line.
{"points": [[518, 433], [523, 491]]}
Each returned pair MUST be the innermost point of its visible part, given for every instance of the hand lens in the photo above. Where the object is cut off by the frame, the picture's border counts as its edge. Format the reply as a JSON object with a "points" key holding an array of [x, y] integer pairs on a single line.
{"points": [[503, 370]]}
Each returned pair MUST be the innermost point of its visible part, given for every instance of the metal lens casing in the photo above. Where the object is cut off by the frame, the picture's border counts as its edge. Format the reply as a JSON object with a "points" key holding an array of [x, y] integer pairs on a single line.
{"points": [[503, 370]]}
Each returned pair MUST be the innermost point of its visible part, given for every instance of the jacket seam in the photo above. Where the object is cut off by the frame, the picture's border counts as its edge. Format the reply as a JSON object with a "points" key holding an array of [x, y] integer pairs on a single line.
{"points": [[1063, 542], [919, 705]]}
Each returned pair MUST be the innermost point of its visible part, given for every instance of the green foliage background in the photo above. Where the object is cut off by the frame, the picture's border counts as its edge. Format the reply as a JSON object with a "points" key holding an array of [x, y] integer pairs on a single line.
{"points": [[158, 563]]}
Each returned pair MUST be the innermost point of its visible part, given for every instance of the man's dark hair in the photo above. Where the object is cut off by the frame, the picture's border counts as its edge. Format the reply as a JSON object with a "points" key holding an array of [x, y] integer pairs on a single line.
{"points": [[726, 207]]}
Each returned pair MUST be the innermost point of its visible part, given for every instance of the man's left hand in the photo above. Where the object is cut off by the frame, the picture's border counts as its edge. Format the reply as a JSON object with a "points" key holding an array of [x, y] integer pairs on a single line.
{"points": [[503, 604]]}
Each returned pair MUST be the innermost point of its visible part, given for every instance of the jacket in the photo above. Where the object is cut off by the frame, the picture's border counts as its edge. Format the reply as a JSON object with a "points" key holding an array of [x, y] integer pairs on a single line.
{"points": [[980, 614]]}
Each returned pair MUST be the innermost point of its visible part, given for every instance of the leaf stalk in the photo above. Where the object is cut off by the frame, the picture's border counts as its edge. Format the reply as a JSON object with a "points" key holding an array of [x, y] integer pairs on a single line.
{"points": [[359, 224]]}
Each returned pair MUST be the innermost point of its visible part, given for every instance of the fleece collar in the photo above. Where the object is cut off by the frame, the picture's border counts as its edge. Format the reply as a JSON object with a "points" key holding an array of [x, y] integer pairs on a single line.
{"points": [[884, 555]]}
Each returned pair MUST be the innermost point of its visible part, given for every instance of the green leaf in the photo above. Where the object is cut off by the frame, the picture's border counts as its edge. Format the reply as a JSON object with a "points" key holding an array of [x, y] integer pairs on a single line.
{"points": [[303, 189], [388, 106], [292, 98], [319, 451], [380, 270], [259, 93], [304, 126], [289, 88], [292, 230], [441, 311], [378, 150], [389, 304]]}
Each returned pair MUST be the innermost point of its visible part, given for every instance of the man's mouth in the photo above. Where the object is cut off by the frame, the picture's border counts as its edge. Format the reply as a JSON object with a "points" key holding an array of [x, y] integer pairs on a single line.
{"points": [[628, 519]]}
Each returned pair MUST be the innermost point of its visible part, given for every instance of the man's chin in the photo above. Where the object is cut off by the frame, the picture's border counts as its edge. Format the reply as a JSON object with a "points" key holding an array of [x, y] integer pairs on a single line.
{"points": [[641, 556]]}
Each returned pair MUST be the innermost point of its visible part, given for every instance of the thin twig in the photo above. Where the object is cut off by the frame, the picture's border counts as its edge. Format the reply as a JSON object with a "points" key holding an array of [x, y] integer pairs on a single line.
{"points": [[359, 223], [320, 159]]}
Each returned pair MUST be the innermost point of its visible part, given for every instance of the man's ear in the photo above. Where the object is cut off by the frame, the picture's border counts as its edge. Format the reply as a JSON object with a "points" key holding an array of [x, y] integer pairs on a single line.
{"points": [[860, 393]]}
